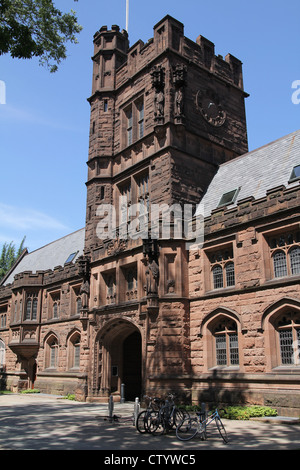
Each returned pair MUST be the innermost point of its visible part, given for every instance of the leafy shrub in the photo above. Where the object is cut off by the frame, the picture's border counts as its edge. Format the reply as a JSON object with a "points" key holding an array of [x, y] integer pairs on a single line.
{"points": [[247, 412], [30, 390], [70, 396]]}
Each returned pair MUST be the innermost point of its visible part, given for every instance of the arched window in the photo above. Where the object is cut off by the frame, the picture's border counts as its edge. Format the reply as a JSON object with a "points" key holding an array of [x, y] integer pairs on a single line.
{"points": [[222, 267], [217, 276], [226, 343], [230, 279], [52, 352], [288, 329], [131, 281], [2, 320], [31, 308], [294, 255], [16, 311], [110, 288], [279, 260], [34, 309], [2, 353], [285, 251], [28, 309], [55, 310], [78, 305], [74, 351]]}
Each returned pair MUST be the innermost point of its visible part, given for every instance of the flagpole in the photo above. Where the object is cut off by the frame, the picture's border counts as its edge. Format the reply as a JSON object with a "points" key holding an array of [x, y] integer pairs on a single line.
{"points": [[127, 14]]}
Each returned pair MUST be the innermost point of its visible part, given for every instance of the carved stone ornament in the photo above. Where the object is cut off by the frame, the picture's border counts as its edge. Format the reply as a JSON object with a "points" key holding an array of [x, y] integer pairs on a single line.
{"points": [[116, 246], [209, 105], [158, 83]]}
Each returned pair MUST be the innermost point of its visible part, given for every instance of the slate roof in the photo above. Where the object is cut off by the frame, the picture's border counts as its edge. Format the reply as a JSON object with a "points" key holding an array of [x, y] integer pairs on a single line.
{"points": [[49, 256], [254, 173]]}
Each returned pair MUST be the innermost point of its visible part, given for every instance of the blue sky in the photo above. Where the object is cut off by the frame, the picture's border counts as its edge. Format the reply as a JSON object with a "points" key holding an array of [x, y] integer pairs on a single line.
{"points": [[44, 124]]}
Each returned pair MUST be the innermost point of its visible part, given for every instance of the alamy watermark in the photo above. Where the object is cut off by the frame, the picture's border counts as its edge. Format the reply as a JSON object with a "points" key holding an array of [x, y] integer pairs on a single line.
{"points": [[155, 221], [296, 93], [2, 92]]}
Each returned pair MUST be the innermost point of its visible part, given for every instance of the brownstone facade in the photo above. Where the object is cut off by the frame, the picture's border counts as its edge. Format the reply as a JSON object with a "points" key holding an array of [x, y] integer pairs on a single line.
{"points": [[209, 323]]}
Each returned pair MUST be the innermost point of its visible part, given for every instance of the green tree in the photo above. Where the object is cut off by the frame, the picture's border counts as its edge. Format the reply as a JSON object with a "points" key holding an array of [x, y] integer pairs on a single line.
{"points": [[35, 28], [9, 256]]}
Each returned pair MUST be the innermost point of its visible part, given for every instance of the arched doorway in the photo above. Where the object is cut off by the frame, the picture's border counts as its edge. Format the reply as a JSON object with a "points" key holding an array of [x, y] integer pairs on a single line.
{"points": [[118, 360], [132, 366]]}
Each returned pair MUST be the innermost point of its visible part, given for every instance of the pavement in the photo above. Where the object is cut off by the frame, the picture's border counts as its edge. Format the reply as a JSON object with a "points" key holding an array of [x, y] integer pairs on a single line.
{"points": [[47, 422]]}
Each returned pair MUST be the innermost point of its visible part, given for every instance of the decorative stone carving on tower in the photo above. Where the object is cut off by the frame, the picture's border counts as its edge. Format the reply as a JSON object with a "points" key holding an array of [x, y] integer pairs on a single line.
{"points": [[179, 80], [83, 264], [158, 83], [151, 254]]}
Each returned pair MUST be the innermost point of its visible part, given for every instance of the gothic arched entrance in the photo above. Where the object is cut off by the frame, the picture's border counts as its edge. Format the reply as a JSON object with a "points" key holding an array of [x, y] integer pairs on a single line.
{"points": [[118, 360], [132, 366]]}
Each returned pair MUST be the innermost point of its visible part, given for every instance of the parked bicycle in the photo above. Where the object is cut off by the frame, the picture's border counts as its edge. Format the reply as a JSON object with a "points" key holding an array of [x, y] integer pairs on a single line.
{"points": [[145, 417], [189, 427], [167, 417]]}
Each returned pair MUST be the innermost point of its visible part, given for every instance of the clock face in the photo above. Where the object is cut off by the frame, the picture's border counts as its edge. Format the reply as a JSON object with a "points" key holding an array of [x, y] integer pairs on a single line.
{"points": [[210, 108]]}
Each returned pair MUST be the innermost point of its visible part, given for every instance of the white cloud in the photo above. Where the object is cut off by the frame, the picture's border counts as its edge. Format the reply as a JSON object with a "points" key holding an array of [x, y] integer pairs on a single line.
{"points": [[38, 228], [18, 218]]}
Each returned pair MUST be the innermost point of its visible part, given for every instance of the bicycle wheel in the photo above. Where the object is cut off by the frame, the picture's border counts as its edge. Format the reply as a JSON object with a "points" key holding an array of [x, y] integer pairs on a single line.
{"points": [[141, 421], [187, 429], [221, 429], [178, 417], [155, 423], [151, 421]]}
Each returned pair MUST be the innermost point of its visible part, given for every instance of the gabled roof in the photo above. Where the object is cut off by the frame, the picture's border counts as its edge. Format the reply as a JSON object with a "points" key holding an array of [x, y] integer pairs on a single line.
{"points": [[254, 173], [49, 256]]}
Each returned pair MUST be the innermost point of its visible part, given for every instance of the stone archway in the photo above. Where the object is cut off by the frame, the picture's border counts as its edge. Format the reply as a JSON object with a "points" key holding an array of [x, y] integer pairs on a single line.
{"points": [[132, 366], [118, 360]]}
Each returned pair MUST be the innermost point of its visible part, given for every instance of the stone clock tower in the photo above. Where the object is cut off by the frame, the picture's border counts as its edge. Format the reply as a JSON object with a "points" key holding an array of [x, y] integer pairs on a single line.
{"points": [[192, 113], [164, 115]]}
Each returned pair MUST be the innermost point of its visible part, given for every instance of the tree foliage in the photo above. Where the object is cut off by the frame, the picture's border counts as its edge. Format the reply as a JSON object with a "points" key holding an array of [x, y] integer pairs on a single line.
{"points": [[9, 256], [35, 28]]}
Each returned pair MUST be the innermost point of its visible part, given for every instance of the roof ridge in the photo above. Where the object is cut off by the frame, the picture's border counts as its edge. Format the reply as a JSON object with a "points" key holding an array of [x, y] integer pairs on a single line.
{"points": [[260, 148]]}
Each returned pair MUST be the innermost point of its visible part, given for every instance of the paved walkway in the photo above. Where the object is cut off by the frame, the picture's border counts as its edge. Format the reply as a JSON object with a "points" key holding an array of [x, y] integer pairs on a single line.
{"points": [[43, 422]]}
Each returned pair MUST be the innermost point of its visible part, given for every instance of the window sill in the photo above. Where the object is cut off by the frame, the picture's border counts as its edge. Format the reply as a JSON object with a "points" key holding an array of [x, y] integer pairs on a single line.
{"points": [[220, 290], [283, 279], [225, 368], [288, 369]]}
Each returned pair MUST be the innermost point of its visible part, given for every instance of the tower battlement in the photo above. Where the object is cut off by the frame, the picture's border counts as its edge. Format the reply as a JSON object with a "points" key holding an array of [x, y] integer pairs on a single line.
{"points": [[115, 61]]}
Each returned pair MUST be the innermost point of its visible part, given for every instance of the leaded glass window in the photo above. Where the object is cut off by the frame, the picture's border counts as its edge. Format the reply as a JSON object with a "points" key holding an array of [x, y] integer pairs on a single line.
{"points": [[288, 327], [230, 281], [286, 346], [28, 309], [78, 305], [221, 355], [234, 349], [217, 276], [285, 253], [31, 307], [294, 255], [55, 310], [279, 260], [53, 359], [226, 343], [222, 268], [2, 353]]}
